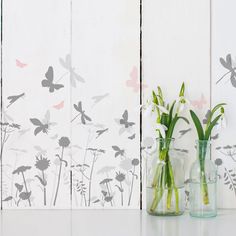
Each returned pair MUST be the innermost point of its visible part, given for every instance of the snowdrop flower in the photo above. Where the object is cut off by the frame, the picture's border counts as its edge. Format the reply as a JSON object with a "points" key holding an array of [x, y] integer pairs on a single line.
{"points": [[161, 128], [162, 109], [222, 123], [182, 103]]}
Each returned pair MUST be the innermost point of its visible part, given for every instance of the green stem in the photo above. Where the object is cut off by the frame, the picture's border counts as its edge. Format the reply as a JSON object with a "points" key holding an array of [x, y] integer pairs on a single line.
{"points": [[203, 183]]}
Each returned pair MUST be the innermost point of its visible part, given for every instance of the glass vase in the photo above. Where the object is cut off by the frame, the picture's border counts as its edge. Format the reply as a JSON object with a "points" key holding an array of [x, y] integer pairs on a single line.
{"points": [[203, 178], [165, 194]]}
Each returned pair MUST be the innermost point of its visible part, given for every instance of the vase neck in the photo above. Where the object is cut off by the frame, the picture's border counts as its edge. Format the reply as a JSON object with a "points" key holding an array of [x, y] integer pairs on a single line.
{"points": [[203, 149], [165, 143]]}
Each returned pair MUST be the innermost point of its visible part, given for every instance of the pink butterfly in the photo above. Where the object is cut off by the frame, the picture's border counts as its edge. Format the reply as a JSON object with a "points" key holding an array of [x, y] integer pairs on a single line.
{"points": [[59, 105], [134, 81], [20, 64], [199, 104]]}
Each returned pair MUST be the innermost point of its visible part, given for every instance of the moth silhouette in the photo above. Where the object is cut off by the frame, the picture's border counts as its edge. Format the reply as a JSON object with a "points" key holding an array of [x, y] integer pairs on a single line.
{"points": [[132, 137], [73, 75], [40, 126], [199, 104], [118, 151], [20, 64], [207, 115], [99, 98], [184, 131], [124, 121], [82, 114], [48, 82], [14, 98], [227, 64], [100, 132]]}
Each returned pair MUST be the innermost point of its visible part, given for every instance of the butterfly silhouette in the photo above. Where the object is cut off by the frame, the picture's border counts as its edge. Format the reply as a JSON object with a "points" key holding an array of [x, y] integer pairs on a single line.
{"points": [[73, 75], [124, 121], [20, 64], [82, 114], [14, 98], [48, 82], [118, 151], [134, 81], [207, 115], [41, 127], [227, 64], [199, 104], [59, 105]]}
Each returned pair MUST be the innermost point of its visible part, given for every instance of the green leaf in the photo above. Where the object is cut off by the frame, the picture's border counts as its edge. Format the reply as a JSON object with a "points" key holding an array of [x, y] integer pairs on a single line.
{"points": [[181, 93], [172, 125], [198, 125], [154, 98], [211, 126], [171, 113], [160, 96]]}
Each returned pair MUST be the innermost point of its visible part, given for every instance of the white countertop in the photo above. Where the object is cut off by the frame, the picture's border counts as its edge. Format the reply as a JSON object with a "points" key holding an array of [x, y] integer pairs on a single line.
{"points": [[112, 223]]}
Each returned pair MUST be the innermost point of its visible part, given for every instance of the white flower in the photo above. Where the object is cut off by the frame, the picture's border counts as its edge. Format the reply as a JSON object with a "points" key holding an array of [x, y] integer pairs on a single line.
{"points": [[161, 128], [162, 109], [148, 109], [182, 103], [222, 123]]}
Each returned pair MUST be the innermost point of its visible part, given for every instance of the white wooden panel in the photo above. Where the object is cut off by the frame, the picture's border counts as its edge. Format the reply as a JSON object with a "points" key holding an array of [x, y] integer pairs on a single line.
{"points": [[176, 48], [36, 35], [223, 44], [105, 52]]}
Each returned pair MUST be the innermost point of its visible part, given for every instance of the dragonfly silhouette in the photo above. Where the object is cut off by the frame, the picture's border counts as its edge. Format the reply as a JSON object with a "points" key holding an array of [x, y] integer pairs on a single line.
{"points": [[73, 75], [231, 70], [82, 114]]}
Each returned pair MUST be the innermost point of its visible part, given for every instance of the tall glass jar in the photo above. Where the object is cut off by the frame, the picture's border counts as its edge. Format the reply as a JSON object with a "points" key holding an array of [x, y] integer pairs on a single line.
{"points": [[203, 177], [165, 181]]}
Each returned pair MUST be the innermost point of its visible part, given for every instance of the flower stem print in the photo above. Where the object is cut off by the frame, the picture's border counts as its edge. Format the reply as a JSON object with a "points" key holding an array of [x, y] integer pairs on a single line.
{"points": [[6, 130], [120, 177], [135, 162], [42, 164], [230, 179], [95, 153], [23, 195], [63, 143], [228, 151], [108, 198]]}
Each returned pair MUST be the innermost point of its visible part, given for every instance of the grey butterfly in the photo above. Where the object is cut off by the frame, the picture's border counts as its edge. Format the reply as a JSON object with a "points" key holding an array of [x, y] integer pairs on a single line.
{"points": [[73, 75], [41, 127], [48, 82], [118, 151], [124, 121]]}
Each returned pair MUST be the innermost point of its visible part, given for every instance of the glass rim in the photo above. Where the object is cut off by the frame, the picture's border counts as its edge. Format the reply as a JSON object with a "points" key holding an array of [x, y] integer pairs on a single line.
{"points": [[172, 139], [197, 141]]}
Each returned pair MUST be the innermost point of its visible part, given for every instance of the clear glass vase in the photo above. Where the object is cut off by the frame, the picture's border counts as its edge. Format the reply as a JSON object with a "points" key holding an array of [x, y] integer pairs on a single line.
{"points": [[165, 194], [203, 177]]}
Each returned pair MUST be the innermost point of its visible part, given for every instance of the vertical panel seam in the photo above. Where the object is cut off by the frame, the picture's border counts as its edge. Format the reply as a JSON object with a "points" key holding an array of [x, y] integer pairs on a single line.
{"points": [[140, 98], [1, 96]]}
